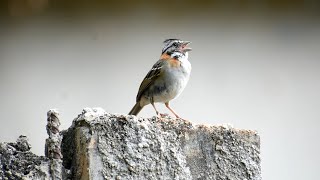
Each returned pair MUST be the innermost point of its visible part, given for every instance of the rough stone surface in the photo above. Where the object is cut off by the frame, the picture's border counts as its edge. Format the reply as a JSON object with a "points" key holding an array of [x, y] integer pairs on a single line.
{"points": [[17, 162], [100, 145], [53, 146]]}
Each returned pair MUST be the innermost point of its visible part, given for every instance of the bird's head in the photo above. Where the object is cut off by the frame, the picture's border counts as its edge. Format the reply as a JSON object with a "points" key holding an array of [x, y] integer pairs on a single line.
{"points": [[175, 46]]}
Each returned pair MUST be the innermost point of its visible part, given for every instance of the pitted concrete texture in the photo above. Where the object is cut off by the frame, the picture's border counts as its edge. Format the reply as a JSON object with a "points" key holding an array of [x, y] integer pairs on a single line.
{"points": [[100, 145], [17, 162]]}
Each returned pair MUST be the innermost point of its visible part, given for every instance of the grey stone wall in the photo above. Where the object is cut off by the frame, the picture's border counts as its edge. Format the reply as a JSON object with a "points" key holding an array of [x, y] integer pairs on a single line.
{"points": [[110, 146], [101, 145], [17, 162]]}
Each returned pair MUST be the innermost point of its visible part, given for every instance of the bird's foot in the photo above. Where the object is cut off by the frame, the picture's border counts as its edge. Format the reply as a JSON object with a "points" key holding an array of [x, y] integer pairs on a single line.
{"points": [[164, 115], [160, 115]]}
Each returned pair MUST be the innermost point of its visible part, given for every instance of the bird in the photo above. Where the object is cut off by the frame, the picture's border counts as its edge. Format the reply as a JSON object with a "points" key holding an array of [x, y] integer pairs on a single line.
{"points": [[167, 78]]}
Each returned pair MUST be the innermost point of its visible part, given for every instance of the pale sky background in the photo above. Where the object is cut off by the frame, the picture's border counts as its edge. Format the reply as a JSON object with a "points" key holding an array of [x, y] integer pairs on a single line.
{"points": [[256, 65]]}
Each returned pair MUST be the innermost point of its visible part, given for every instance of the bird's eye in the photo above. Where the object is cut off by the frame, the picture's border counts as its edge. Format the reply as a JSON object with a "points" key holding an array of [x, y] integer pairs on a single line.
{"points": [[175, 44]]}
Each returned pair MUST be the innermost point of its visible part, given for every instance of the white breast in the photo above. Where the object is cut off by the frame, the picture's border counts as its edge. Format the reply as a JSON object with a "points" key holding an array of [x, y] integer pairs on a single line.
{"points": [[177, 78]]}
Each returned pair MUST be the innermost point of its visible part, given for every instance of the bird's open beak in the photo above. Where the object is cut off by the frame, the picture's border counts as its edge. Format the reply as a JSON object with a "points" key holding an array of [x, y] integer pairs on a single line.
{"points": [[185, 47]]}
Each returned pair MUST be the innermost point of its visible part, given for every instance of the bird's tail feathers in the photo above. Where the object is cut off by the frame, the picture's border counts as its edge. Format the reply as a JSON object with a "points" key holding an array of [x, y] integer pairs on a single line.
{"points": [[136, 109]]}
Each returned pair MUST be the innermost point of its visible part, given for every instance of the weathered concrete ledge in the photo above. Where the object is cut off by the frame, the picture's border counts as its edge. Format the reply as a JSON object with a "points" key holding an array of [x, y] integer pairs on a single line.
{"points": [[17, 162], [100, 145]]}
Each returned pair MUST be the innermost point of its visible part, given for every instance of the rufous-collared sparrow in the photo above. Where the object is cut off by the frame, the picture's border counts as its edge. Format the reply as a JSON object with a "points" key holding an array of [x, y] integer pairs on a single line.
{"points": [[167, 77]]}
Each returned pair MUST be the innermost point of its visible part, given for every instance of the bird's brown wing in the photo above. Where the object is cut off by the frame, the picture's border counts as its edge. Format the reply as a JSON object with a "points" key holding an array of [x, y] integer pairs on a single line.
{"points": [[152, 75]]}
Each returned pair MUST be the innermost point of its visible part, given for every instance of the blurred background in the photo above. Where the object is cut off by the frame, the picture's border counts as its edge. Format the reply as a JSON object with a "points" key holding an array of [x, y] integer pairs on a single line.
{"points": [[256, 65]]}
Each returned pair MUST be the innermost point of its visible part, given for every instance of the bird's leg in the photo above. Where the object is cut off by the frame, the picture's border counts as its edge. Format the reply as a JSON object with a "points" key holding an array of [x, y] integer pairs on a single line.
{"points": [[154, 107], [168, 106]]}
